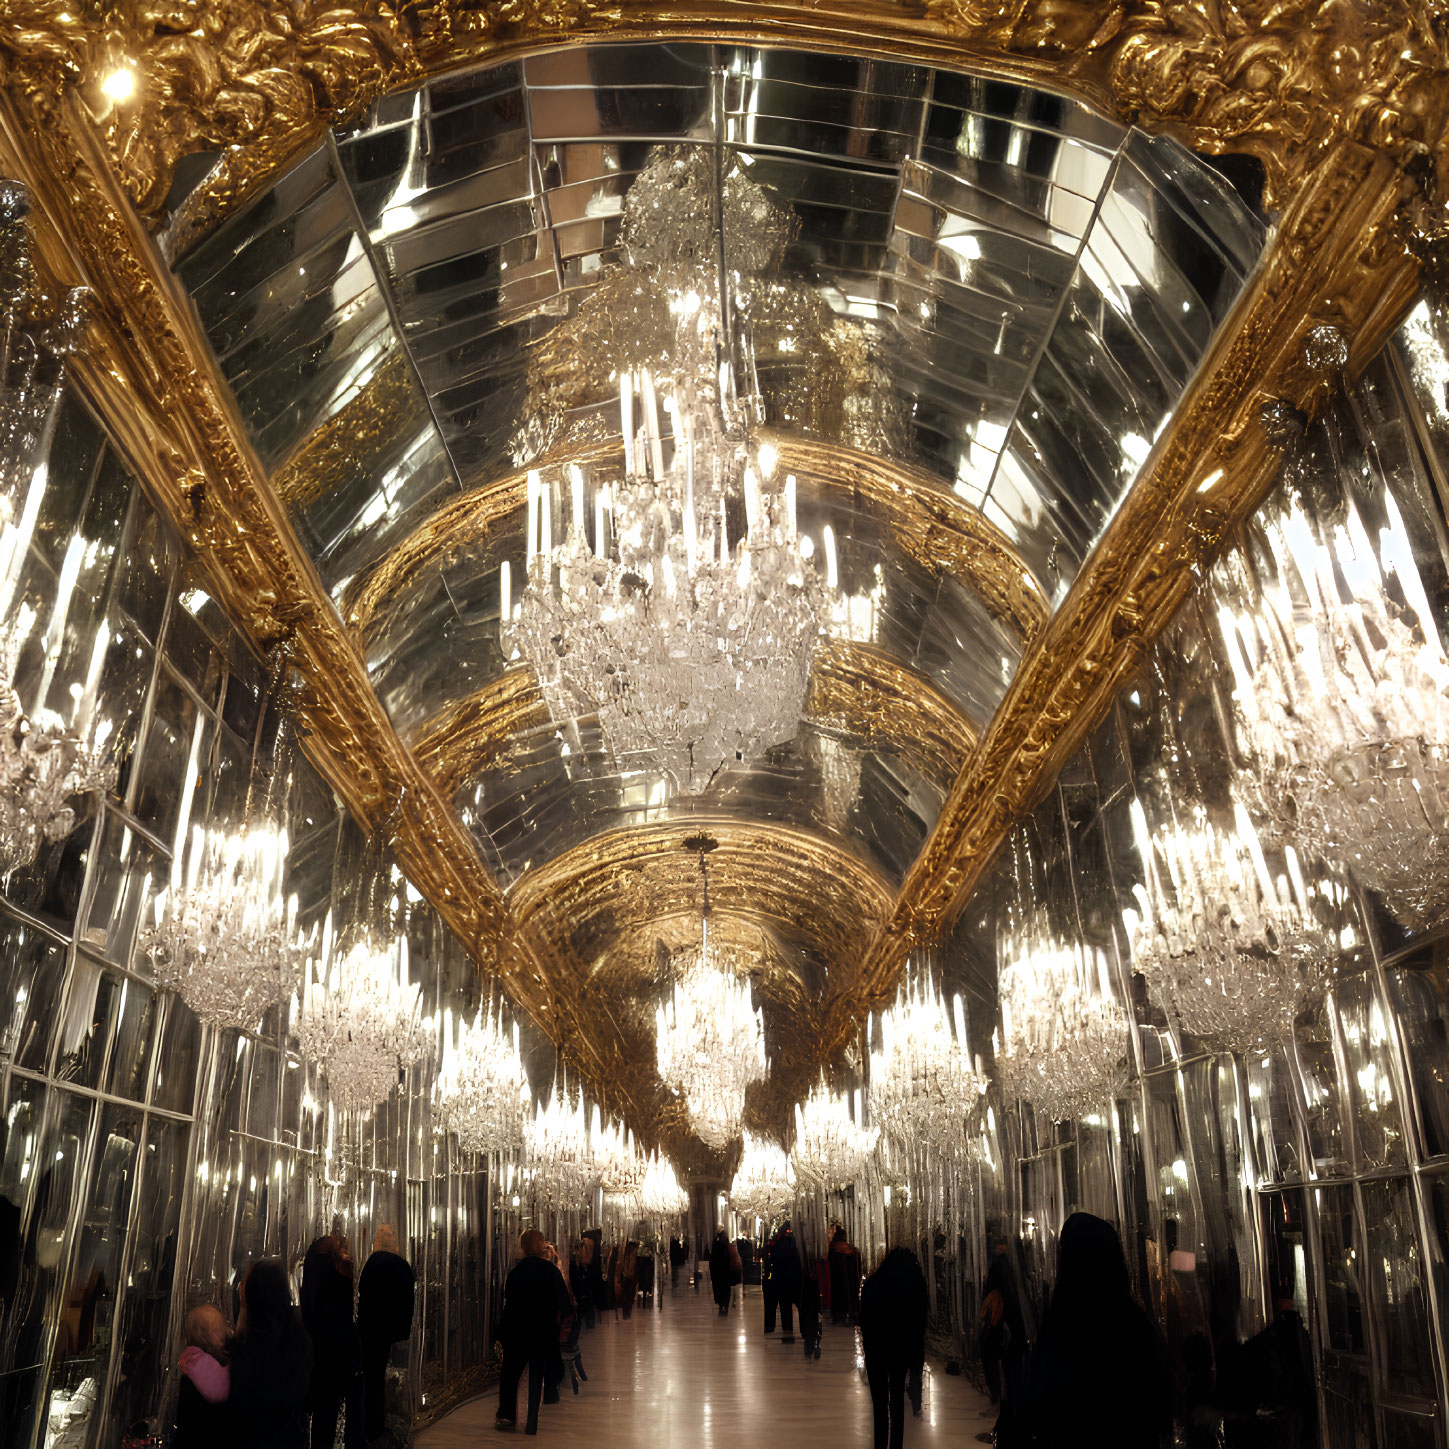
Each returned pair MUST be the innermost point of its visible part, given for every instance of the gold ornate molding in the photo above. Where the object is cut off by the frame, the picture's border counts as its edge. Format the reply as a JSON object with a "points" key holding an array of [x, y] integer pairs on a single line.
{"points": [[1285, 81]]}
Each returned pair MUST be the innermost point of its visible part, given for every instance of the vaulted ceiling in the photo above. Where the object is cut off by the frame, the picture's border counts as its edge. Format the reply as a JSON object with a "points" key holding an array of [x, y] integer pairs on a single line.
{"points": [[987, 302], [1014, 351]]}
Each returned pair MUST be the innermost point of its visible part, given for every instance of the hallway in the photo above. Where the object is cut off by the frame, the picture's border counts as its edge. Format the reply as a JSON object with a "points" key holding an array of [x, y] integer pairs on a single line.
{"points": [[685, 1377]]}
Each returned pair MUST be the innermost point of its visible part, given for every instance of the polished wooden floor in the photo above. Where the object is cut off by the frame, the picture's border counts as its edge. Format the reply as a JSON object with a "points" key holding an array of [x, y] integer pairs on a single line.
{"points": [[681, 1376]]}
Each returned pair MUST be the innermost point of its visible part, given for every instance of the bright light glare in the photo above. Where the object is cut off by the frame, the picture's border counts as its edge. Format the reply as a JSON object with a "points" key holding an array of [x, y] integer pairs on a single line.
{"points": [[120, 85]]}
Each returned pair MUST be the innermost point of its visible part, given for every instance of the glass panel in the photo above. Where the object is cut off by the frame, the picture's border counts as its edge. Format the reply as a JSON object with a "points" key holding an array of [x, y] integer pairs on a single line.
{"points": [[1368, 1089], [178, 1056], [1418, 997], [105, 1036], [127, 875], [1395, 1262], [1343, 1300], [32, 970]]}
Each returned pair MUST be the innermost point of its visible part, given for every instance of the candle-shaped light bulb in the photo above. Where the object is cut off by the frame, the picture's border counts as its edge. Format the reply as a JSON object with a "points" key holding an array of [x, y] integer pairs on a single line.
{"points": [[626, 419], [505, 593], [576, 487], [534, 487]]}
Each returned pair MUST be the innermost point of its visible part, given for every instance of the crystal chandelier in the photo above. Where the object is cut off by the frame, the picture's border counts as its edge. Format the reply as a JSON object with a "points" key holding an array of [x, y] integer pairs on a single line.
{"points": [[1235, 951], [692, 647], [709, 1037], [923, 1086], [660, 1193], [832, 1148], [617, 1161], [225, 936], [557, 1155], [764, 1183], [481, 1093], [43, 763], [1342, 708], [361, 1018], [1063, 1038]]}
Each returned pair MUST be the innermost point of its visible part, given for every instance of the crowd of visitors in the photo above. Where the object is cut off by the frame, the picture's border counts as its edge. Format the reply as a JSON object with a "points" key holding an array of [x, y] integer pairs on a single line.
{"points": [[289, 1375]]}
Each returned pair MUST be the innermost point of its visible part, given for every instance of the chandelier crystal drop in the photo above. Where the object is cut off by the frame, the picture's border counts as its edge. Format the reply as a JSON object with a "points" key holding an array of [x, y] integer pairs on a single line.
{"points": [[1342, 707], [225, 935], [693, 647], [557, 1154], [361, 1018], [1063, 1039], [481, 1093], [832, 1148], [1235, 951], [764, 1183], [923, 1085]]}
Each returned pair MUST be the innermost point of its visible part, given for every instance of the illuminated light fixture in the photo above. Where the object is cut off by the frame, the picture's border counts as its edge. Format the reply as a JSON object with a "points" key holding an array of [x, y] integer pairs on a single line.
{"points": [[832, 1147], [764, 1183], [481, 1094], [709, 1037], [120, 84], [557, 1154]]}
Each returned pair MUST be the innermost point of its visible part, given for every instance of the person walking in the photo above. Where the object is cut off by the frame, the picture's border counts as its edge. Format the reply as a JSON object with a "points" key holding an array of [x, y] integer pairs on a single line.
{"points": [[786, 1270], [203, 1419], [628, 1277], [1002, 1342], [581, 1280], [534, 1301], [678, 1257], [1098, 1376], [386, 1291], [810, 1306], [844, 1278], [721, 1271], [270, 1365], [336, 1349], [892, 1318], [767, 1284]]}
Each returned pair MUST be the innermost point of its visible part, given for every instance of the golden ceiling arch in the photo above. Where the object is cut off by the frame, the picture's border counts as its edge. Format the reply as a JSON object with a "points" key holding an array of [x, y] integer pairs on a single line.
{"points": [[1343, 104]]}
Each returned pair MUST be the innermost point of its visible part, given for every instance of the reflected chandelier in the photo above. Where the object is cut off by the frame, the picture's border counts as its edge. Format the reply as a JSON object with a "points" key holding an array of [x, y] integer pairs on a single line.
{"points": [[660, 1194], [225, 937], [481, 1093], [709, 1038], [764, 1183], [361, 1018], [1063, 1040], [1342, 707], [832, 1148], [617, 1161], [923, 1086], [557, 1155], [1235, 951], [693, 648]]}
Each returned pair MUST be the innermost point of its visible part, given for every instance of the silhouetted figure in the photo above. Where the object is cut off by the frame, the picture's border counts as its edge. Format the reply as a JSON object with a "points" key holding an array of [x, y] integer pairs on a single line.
{"points": [[746, 1249], [271, 1364], [844, 1278], [1003, 1333], [580, 1280], [786, 1270], [534, 1301], [678, 1257], [892, 1318], [767, 1284], [203, 1417], [810, 1307], [645, 1263], [336, 1349], [1099, 1376], [627, 1284], [721, 1271], [385, 1293], [1276, 1402]]}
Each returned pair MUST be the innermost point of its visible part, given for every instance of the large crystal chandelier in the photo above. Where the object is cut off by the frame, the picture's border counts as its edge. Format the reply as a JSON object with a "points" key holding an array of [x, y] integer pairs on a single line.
{"points": [[692, 645], [923, 1085], [44, 763], [225, 935], [481, 1093], [1063, 1040], [660, 1194], [557, 1154], [361, 1017], [617, 1161], [1341, 702], [709, 1037], [764, 1183], [832, 1147], [1236, 951]]}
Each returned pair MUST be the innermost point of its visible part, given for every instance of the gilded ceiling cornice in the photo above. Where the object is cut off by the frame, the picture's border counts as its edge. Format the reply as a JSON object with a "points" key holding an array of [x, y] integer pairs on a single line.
{"points": [[855, 690], [940, 531], [1285, 81], [1336, 280]]}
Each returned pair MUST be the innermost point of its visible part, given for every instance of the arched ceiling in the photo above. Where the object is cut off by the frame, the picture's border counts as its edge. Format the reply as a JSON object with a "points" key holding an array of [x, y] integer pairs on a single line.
{"points": [[1025, 408], [976, 308]]}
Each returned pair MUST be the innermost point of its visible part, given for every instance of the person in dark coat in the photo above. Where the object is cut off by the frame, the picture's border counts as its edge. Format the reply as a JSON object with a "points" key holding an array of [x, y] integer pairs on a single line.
{"points": [[336, 1348], [892, 1318], [534, 1303], [810, 1307], [1098, 1376], [786, 1272], [678, 1257], [721, 1271], [581, 1281], [1002, 1342], [844, 1278], [203, 1418], [271, 1364], [385, 1296]]}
